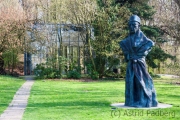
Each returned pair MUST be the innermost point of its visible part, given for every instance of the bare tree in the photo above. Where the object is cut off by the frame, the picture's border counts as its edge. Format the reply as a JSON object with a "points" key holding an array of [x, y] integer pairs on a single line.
{"points": [[167, 17], [178, 2], [14, 24]]}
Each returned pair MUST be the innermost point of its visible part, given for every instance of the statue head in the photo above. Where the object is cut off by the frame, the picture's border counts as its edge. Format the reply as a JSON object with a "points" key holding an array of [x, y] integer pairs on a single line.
{"points": [[134, 24], [135, 18]]}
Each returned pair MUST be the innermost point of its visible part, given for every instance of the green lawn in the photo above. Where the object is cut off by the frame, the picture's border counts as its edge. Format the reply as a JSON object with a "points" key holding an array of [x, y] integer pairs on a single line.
{"points": [[72, 100], [8, 87]]}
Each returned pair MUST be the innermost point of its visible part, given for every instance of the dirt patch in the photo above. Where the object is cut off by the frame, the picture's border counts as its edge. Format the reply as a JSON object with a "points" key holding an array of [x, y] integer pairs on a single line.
{"points": [[177, 83], [174, 83]]}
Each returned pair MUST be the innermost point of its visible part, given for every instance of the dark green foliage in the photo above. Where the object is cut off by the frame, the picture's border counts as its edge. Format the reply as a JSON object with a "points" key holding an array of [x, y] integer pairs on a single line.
{"points": [[109, 27], [73, 66], [94, 75], [154, 75], [142, 9], [138, 7], [113, 66], [123, 69], [157, 54], [91, 72], [43, 72], [151, 32], [146, 12], [122, 2], [38, 71], [10, 58], [2, 71], [73, 74], [74, 71], [51, 69]]}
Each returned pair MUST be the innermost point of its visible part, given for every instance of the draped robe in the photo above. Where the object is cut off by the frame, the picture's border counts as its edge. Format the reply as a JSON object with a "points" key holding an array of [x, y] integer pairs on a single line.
{"points": [[139, 88]]}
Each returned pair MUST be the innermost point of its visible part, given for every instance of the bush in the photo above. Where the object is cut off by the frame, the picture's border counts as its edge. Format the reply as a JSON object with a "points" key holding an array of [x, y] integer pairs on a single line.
{"points": [[39, 71], [123, 67], [74, 71], [44, 73], [73, 74], [51, 69], [154, 75], [94, 75]]}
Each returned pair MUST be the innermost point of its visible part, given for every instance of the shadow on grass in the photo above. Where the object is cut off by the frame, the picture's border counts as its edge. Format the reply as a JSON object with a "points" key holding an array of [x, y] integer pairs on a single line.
{"points": [[70, 104], [3, 105]]}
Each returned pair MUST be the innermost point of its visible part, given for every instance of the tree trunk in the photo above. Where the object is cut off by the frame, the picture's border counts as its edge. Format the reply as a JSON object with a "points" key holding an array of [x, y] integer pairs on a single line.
{"points": [[89, 48], [159, 67], [60, 50], [102, 67]]}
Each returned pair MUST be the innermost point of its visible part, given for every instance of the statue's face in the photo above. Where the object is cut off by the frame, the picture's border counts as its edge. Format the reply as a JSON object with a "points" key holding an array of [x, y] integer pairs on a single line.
{"points": [[133, 27]]}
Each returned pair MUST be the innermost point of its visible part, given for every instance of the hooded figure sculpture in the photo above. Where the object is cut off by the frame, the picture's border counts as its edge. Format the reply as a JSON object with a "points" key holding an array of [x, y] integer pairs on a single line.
{"points": [[139, 88]]}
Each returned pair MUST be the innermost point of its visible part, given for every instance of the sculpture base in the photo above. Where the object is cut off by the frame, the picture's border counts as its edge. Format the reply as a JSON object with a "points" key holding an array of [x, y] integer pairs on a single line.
{"points": [[160, 105]]}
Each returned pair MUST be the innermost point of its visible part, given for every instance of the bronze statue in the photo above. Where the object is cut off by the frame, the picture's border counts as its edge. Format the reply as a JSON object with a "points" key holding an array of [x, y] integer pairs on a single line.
{"points": [[139, 88]]}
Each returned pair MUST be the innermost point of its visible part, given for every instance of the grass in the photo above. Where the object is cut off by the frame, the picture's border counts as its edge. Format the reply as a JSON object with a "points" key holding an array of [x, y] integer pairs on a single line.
{"points": [[74, 100], [8, 87]]}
